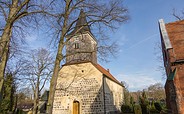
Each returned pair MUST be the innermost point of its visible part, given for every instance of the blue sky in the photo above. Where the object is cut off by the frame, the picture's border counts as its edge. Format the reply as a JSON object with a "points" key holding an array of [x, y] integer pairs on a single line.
{"points": [[136, 63]]}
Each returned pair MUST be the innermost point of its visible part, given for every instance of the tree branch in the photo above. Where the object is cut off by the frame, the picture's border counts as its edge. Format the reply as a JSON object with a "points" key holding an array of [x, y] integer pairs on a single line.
{"points": [[4, 12]]}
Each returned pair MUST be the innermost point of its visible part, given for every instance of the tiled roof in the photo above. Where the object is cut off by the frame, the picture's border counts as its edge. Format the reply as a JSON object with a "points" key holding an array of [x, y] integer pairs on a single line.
{"points": [[106, 73], [175, 32]]}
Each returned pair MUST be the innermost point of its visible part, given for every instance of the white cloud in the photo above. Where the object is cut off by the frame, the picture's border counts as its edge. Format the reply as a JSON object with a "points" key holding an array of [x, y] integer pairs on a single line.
{"points": [[138, 82], [31, 38], [34, 41]]}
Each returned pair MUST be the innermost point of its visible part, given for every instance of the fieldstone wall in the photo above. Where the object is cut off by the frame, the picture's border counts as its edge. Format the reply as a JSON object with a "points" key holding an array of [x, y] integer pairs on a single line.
{"points": [[81, 48], [85, 84], [113, 96], [82, 83]]}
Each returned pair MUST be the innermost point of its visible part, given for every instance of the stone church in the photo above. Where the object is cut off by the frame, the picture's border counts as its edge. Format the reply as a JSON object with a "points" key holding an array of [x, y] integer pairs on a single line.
{"points": [[84, 86]]}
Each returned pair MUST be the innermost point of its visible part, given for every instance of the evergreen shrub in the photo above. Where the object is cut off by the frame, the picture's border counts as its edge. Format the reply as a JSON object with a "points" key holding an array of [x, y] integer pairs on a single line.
{"points": [[158, 106], [137, 109], [126, 108]]}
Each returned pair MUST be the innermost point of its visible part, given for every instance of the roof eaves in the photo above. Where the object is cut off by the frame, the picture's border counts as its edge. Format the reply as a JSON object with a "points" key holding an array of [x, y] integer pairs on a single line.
{"points": [[176, 22], [113, 80], [107, 74]]}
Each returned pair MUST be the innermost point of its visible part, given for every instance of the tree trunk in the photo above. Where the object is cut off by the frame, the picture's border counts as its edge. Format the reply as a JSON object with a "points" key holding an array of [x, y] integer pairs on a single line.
{"points": [[53, 85], [36, 98], [53, 82], [59, 57], [4, 54], [5, 38], [35, 103]]}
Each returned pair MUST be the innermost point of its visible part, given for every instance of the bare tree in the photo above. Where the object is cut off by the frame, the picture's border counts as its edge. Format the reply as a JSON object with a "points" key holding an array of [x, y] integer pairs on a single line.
{"points": [[37, 72], [159, 58], [15, 17], [13, 68], [126, 93], [178, 16], [156, 91], [100, 15]]}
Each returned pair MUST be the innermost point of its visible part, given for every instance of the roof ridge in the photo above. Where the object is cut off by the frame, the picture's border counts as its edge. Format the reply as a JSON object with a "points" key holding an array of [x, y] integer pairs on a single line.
{"points": [[178, 21]]}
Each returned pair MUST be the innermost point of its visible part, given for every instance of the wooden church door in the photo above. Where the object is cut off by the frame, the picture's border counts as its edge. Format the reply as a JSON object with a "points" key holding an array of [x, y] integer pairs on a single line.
{"points": [[76, 107]]}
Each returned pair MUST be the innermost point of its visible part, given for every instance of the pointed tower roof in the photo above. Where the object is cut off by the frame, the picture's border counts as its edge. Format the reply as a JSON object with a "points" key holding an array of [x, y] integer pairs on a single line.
{"points": [[81, 24]]}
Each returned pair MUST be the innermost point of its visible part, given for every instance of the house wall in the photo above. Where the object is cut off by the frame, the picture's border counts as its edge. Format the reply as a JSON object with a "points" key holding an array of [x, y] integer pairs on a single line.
{"points": [[176, 87], [171, 97], [175, 32], [179, 81]]}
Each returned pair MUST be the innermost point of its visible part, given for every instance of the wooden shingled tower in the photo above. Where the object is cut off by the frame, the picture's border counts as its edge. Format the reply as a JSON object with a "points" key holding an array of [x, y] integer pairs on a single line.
{"points": [[81, 45]]}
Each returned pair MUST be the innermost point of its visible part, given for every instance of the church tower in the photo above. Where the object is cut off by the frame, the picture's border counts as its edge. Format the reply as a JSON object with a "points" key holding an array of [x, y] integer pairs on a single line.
{"points": [[83, 86], [81, 45]]}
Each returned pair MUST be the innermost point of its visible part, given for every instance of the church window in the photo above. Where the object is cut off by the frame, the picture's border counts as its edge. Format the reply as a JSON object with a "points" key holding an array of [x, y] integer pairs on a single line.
{"points": [[76, 45]]}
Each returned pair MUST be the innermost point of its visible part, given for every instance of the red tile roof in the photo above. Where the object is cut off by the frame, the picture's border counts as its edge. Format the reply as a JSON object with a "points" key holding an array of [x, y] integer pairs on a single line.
{"points": [[106, 73], [175, 32]]}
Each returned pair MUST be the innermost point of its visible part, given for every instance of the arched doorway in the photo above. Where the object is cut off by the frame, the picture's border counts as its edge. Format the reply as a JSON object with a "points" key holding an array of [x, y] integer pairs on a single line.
{"points": [[76, 107]]}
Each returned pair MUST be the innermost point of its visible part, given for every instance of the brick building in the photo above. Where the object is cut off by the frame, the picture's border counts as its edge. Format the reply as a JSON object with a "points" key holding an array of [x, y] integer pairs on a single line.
{"points": [[172, 41], [84, 86]]}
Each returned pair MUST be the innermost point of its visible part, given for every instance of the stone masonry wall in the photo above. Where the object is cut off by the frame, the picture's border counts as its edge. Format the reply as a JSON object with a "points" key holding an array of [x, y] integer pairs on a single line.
{"points": [[80, 83], [85, 84], [113, 96]]}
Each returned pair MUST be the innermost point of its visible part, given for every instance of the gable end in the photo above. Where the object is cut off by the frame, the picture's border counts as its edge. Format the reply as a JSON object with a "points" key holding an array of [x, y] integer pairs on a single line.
{"points": [[164, 34]]}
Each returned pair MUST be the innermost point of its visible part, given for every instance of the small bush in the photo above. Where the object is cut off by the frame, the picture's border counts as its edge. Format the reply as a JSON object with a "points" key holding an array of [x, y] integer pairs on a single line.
{"points": [[152, 108], [144, 109], [165, 111], [137, 109], [126, 108], [158, 106], [154, 111]]}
